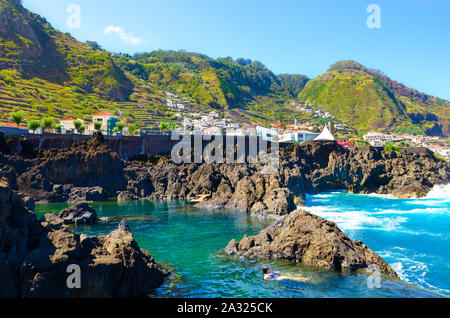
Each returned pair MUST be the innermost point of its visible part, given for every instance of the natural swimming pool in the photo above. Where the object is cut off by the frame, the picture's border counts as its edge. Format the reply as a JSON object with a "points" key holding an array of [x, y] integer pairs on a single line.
{"points": [[189, 239]]}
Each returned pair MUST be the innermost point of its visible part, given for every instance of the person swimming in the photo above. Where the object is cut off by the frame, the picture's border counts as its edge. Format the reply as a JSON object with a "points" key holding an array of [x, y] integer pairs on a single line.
{"points": [[269, 275]]}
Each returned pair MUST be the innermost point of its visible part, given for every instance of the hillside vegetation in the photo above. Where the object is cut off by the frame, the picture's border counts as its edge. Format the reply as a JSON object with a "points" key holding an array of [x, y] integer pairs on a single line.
{"points": [[44, 71], [366, 99]]}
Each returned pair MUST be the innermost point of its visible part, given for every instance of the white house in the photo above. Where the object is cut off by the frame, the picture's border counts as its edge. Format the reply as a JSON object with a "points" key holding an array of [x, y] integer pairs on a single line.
{"points": [[377, 138], [233, 125], [211, 131], [214, 115], [266, 133], [67, 125], [103, 118]]}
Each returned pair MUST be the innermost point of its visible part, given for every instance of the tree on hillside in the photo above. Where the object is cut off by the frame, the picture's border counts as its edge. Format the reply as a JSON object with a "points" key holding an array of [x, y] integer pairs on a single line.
{"points": [[17, 117], [78, 124], [120, 126], [98, 125], [94, 45], [48, 122], [34, 125], [132, 129], [164, 126], [58, 128]]}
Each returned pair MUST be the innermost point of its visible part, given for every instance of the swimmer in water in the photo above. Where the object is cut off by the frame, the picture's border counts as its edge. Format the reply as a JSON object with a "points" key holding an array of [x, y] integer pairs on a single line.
{"points": [[268, 275]]}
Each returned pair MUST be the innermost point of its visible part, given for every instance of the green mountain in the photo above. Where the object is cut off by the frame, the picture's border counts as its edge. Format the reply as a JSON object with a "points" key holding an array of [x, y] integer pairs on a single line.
{"points": [[44, 71], [221, 83], [367, 99], [29, 44]]}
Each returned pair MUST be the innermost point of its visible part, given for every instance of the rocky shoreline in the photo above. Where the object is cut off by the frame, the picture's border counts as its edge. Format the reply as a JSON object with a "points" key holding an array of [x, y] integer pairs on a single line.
{"points": [[90, 171], [35, 256]]}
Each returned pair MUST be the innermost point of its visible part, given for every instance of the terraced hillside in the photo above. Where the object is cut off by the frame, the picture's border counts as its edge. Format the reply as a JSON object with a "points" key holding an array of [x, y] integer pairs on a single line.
{"points": [[46, 72]]}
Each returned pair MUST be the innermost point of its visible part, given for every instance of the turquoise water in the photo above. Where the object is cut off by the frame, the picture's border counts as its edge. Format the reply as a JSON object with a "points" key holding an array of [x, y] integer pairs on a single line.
{"points": [[188, 239], [412, 235]]}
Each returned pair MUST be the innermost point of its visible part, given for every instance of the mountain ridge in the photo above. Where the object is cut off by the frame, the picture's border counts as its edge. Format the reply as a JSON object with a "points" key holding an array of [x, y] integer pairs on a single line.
{"points": [[45, 71], [367, 99]]}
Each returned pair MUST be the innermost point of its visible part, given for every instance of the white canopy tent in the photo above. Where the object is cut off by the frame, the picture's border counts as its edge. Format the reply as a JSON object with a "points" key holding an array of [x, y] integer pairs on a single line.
{"points": [[325, 135]]}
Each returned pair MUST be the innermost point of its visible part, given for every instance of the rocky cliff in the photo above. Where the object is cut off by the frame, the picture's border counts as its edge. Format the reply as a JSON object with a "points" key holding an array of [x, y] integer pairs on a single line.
{"points": [[90, 171], [84, 171], [35, 257], [304, 238], [307, 168]]}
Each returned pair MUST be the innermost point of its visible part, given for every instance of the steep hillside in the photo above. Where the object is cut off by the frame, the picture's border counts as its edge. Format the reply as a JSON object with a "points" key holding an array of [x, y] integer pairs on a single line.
{"points": [[30, 44], [367, 99], [221, 83], [44, 71]]}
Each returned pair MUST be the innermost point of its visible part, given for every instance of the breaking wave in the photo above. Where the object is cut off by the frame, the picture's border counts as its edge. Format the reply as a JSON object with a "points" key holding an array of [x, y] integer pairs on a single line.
{"points": [[411, 234]]}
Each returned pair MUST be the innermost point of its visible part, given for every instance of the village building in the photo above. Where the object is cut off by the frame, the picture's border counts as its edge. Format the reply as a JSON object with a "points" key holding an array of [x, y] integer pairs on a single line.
{"points": [[107, 119], [211, 131], [266, 133], [299, 136], [233, 126], [67, 125], [249, 130], [376, 138], [214, 115]]}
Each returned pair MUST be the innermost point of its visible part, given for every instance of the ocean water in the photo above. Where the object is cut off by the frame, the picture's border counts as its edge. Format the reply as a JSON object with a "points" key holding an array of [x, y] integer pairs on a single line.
{"points": [[411, 235]]}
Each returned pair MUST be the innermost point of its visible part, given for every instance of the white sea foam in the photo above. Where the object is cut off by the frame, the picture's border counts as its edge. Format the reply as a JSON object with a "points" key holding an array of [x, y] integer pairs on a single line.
{"points": [[441, 191], [410, 270], [413, 211], [401, 217], [357, 220]]}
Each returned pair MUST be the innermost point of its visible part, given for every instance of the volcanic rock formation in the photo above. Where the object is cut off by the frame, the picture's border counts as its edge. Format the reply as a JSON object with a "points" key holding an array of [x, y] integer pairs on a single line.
{"points": [[305, 238]]}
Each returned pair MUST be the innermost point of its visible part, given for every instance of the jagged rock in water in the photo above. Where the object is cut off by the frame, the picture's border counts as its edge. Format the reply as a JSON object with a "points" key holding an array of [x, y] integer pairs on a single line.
{"points": [[79, 214], [309, 239], [124, 196], [34, 258]]}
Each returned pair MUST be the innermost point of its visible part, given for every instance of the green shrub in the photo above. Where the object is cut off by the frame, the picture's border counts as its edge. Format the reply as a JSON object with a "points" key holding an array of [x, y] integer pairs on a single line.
{"points": [[164, 126], [390, 147], [120, 126], [17, 117], [98, 125], [132, 129], [78, 124], [439, 156], [33, 125], [48, 122]]}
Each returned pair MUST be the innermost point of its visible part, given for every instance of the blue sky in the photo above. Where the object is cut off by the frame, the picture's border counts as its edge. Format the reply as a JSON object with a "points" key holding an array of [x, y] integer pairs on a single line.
{"points": [[288, 36]]}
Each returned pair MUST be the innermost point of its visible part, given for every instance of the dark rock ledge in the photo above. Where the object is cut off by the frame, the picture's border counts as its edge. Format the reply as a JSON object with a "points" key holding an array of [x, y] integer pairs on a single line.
{"points": [[34, 257], [309, 239], [91, 171]]}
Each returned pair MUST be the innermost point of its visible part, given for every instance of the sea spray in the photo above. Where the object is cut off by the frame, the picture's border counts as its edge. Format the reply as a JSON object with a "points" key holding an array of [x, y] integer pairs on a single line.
{"points": [[410, 234], [440, 191]]}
